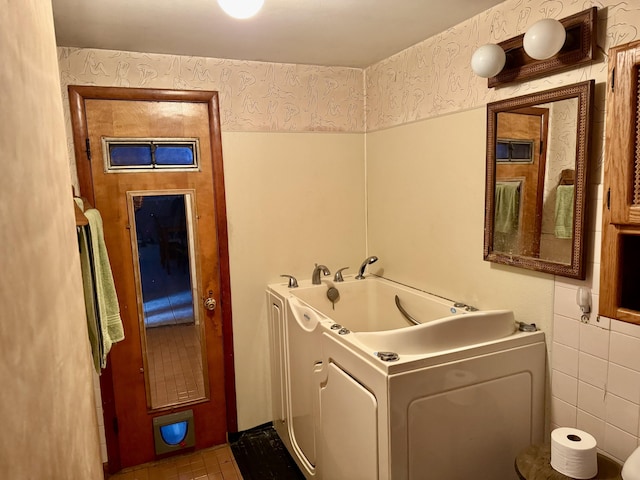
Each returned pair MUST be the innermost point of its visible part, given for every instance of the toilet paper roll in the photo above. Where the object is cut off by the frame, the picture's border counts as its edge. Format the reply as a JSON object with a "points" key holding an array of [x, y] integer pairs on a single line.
{"points": [[573, 453]]}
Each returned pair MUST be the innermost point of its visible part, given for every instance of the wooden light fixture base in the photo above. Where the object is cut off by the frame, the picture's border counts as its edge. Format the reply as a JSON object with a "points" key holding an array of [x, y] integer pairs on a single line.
{"points": [[578, 48]]}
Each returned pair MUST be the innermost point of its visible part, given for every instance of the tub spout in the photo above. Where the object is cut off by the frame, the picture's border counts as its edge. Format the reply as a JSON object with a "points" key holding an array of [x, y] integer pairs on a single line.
{"points": [[315, 276], [368, 261]]}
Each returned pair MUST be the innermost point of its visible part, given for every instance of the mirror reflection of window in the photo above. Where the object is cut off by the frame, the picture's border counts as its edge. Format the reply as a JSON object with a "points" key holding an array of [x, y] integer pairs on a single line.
{"points": [[514, 150], [522, 151]]}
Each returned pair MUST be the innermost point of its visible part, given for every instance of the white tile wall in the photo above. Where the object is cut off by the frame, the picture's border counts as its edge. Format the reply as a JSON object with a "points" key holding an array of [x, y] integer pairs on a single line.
{"points": [[625, 350], [618, 443], [624, 382], [562, 413], [595, 366], [594, 425], [622, 413], [594, 340], [591, 399], [595, 378], [599, 361], [592, 370], [565, 387], [566, 331], [565, 359]]}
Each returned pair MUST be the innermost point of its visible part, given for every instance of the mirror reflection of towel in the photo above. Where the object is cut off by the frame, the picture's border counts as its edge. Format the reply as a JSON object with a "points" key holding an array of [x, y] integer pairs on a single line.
{"points": [[564, 211], [507, 205]]}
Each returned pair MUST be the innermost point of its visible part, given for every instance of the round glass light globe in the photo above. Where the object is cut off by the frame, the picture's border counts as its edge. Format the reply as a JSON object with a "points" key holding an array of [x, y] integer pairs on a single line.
{"points": [[544, 39], [488, 60], [241, 8]]}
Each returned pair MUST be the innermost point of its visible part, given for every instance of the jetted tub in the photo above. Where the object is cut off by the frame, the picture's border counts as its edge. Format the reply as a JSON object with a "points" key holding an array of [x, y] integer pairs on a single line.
{"points": [[361, 393]]}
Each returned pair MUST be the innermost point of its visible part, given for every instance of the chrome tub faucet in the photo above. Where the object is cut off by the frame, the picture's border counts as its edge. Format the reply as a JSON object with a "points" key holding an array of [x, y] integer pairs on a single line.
{"points": [[367, 261], [315, 276]]}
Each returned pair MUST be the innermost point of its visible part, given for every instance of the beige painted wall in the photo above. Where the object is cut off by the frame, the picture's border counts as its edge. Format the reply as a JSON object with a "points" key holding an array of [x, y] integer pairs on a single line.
{"points": [[293, 200], [425, 184], [48, 418]]}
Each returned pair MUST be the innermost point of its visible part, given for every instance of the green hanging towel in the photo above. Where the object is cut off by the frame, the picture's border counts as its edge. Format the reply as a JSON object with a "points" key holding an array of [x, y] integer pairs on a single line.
{"points": [[105, 291], [507, 206], [564, 211]]}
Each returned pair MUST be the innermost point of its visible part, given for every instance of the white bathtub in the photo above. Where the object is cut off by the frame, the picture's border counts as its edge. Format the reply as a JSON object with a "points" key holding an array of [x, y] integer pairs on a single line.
{"points": [[462, 395]]}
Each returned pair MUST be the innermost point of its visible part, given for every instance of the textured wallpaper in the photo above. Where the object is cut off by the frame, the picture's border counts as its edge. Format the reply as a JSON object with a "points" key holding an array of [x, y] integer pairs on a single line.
{"points": [[434, 77], [254, 96]]}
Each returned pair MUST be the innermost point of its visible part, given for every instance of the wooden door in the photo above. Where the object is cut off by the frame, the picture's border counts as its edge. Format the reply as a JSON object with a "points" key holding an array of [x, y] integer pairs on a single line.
{"points": [[102, 117], [529, 124]]}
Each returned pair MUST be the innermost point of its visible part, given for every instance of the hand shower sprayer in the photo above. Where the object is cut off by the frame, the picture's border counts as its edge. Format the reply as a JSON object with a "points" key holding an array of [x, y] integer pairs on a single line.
{"points": [[368, 261]]}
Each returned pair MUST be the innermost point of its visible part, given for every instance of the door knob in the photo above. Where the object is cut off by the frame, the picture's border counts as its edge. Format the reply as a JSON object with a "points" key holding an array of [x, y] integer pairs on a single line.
{"points": [[210, 304]]}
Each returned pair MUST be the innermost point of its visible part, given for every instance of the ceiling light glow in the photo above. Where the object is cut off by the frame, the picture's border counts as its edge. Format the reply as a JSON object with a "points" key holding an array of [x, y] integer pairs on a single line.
{"points": [[241, 8]]}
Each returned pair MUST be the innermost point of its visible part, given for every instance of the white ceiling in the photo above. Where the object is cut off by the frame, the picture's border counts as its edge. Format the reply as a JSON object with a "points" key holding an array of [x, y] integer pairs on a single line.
{"points": [[354, 33]]}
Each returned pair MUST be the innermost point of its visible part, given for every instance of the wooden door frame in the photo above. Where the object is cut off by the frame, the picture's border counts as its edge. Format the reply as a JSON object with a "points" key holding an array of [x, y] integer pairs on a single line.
{"points": [[77, 97]]}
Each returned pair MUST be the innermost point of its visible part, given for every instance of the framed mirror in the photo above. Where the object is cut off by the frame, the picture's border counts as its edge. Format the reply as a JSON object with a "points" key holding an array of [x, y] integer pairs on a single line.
{"points": [[536, 180]]}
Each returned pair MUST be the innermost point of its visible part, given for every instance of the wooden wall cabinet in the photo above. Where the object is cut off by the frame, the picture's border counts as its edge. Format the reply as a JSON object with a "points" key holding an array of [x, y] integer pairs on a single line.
{"points": [[620, 262]]}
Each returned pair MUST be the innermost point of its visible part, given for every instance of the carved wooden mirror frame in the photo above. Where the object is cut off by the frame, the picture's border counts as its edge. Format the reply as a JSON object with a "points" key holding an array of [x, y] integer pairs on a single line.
{"points": [[584, 93]]}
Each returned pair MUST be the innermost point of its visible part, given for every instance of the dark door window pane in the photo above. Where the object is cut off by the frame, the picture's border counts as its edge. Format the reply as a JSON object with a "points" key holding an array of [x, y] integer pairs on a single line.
{"points": [[502, 151], [130, 155], [521, 151], [174, 155]]}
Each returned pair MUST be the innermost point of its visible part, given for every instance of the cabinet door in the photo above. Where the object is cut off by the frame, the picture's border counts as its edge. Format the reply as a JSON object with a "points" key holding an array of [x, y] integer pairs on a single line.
{"points": [[622, 165], [620, 262]]}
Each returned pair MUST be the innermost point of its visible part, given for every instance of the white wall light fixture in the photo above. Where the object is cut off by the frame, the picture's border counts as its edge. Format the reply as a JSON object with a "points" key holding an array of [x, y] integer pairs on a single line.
{"points": [[241, 9], [544, 39], [488, 60], [547, 47]]}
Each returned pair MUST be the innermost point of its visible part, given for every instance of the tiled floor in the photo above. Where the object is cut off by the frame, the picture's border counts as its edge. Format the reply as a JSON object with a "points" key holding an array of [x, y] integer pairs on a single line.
{"points": [[175, 364], [211, 464]]}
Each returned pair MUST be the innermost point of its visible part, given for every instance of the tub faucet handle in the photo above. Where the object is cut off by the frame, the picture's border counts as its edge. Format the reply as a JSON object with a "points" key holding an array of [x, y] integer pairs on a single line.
{"points": [[338, 276], [293, 283], [526, 327]]}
